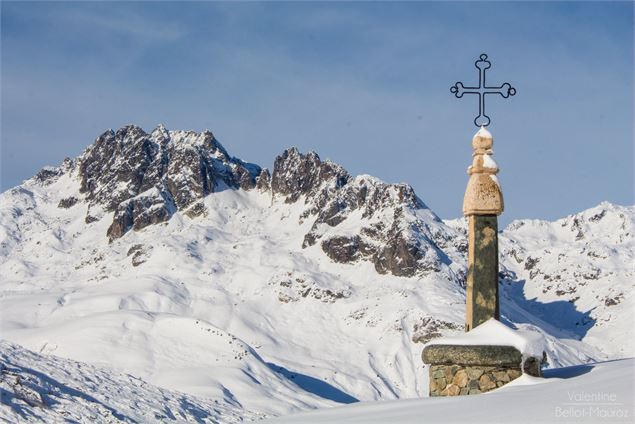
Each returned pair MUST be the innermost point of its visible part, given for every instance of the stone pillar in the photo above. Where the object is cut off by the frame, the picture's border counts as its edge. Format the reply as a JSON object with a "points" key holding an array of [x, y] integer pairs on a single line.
{"points": [[482, 204], [469, 368]]}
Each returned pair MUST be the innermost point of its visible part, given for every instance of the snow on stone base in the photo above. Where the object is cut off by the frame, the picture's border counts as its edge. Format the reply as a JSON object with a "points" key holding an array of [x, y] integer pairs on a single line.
{"points": [[493, 332]]}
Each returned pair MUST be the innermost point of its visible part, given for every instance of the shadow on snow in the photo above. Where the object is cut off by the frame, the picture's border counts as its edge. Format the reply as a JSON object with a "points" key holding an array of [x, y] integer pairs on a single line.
{"points": [[313, 385], [568, 372], [49, 389], [560, 317]]}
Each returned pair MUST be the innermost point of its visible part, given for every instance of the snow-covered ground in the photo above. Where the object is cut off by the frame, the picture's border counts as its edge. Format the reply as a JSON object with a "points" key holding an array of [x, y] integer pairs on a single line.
{"points": [[45, 388], [229, 306], [592, 393]]}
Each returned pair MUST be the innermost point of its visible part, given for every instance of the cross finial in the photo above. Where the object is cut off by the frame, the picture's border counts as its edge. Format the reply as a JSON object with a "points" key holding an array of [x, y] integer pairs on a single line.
{"points": [[505, 90]]}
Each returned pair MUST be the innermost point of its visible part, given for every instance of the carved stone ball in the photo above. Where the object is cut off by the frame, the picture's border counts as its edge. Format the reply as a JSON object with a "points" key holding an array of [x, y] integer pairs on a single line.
{"points": [[482, 140]]}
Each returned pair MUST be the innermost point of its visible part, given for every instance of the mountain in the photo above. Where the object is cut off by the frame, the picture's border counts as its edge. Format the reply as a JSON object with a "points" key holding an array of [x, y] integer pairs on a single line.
{"points": [[162, 256], [584, 260], [145, 178]]}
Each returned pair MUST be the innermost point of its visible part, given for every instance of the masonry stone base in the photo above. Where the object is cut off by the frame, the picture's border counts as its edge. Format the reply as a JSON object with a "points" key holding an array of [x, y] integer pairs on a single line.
{"points": [[457, 370]]}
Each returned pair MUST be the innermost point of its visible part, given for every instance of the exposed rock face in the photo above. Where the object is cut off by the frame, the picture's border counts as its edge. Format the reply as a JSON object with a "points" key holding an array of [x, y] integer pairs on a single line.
{"points": [[397, 231], [68, 202], [139, 254], [292, 288], [152, 208], [144, 178], [343, 249], [295, 174], [263, 182], [428, 328], [197, 209], [50, 174]]}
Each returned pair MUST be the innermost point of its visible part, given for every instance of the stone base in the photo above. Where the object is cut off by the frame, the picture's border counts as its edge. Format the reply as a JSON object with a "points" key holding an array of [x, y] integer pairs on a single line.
{"points": [[467, 370], [454, 380]]}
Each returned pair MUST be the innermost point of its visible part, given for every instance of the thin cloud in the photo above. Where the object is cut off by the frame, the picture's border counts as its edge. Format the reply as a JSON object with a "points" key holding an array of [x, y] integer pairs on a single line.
{"points": [[126, 22], [364, 84], [98, 19]]}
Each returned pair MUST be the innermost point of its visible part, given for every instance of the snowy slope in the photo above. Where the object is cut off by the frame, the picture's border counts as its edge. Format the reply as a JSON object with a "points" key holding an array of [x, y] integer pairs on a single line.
{"points": [[573, 277], [237, 274], [45, 388], [585, 264], [282, 292]]}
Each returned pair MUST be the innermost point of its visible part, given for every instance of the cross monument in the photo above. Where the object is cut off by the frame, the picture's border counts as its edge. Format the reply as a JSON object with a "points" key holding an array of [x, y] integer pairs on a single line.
{"points": [[479, 363], [482, 203]]}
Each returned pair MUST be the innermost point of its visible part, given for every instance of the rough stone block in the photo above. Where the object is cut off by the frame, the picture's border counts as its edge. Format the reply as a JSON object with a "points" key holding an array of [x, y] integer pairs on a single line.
{"points": [[474, 373], [458, 370], [460, 378], [472, 384], [439, 373], [482, 274], [513, 373], [501, 376], [471, 355], [486, 383], [532, 367], [451, 390]]}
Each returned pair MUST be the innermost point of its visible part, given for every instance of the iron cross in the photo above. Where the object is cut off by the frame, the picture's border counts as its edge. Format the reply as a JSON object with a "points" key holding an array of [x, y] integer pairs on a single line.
{"points": [[504, 90]]}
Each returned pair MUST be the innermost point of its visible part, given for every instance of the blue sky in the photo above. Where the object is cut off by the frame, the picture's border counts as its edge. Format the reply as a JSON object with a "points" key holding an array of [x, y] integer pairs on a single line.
{"points": [[364, 84]]}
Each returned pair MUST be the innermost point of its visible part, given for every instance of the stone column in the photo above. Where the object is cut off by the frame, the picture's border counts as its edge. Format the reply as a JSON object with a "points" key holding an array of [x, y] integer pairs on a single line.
{"points": [[482, 204]]}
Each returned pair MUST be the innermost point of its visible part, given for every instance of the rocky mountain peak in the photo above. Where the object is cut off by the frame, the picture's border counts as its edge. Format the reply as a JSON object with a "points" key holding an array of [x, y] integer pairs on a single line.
{"points": [[359, 218], [144, 178], [296, 174]]}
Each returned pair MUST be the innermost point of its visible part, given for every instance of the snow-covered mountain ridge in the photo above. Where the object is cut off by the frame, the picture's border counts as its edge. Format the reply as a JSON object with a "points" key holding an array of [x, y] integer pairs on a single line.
{"points": [[587, 260], [160, 255]]}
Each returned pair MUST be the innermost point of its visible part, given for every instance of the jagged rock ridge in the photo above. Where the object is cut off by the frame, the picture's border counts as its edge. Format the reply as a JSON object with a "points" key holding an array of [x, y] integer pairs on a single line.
{"points": [[397, 228], [145, 178]]}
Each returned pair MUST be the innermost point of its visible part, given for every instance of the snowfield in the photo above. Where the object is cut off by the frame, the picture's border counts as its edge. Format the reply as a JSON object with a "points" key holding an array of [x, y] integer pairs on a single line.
{"points": [[592, 393], [45, 388], [231, 308]]}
